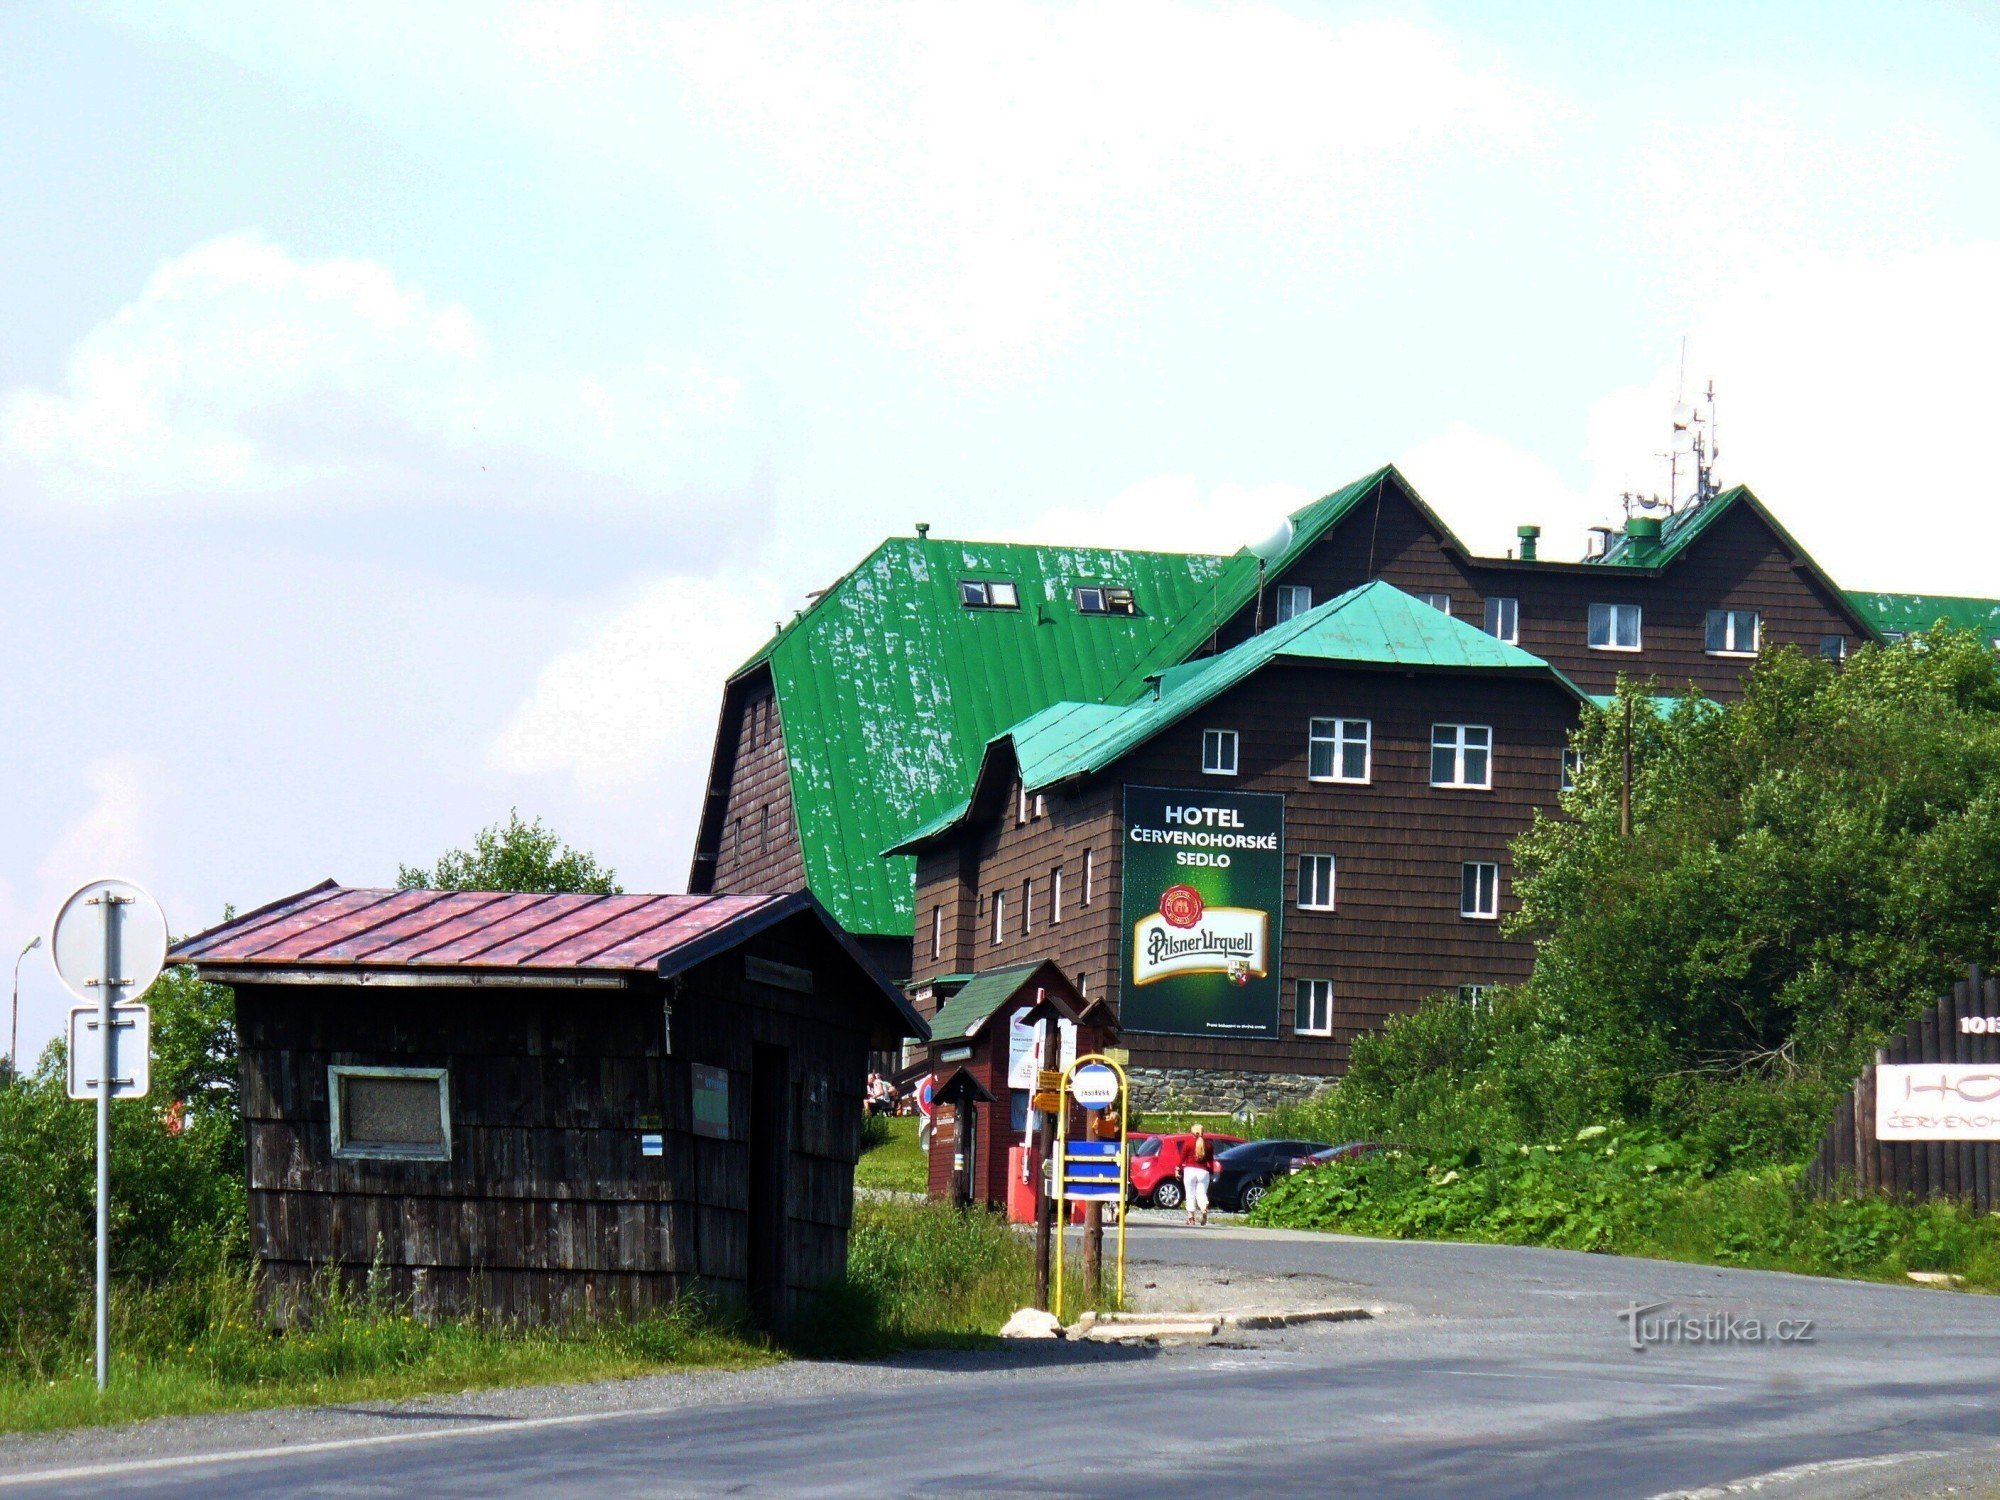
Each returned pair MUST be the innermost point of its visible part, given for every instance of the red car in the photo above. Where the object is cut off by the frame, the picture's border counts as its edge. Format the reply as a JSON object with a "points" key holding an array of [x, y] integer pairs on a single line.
{"points": [[1156, 1166]]}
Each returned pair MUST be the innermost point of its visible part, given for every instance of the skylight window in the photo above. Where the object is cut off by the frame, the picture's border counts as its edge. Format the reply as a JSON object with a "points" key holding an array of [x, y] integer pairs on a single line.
{"points": [[1095, 599], [988, 593]]}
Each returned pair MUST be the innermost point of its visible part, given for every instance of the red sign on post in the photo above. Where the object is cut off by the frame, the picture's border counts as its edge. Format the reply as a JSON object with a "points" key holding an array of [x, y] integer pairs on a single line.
{"points": [[926, 1103]]}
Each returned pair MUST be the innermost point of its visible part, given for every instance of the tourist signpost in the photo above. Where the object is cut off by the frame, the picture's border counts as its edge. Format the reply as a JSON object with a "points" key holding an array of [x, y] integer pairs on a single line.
{"points": [[109, 944], [1091, 1171]]}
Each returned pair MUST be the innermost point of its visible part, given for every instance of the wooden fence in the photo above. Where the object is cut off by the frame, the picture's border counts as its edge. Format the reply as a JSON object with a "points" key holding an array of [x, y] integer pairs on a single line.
{"points": [[1852, 1160]]}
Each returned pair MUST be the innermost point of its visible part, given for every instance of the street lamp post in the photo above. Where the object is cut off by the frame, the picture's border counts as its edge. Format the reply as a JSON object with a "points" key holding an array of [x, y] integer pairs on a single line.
{"points": [[14, 1034]]}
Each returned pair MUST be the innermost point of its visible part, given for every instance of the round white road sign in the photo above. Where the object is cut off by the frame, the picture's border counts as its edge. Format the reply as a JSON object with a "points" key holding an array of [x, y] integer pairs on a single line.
{"points": [[1093, 1086], [138, 940]]}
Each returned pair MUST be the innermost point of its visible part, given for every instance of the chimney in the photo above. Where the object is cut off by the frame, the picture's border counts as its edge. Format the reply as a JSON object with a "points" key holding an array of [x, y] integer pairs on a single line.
{"points": [[923, 530], [1529, 535]]}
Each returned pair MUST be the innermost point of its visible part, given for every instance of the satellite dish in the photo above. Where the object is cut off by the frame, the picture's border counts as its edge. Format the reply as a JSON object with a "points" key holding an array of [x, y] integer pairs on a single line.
{"points": [[1683, 440], [1272, 547], [1683, 415]]}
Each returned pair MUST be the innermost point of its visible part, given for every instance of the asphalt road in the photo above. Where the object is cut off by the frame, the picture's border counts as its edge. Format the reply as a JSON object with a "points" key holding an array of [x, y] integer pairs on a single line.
{"points": [[1489, 1372]]}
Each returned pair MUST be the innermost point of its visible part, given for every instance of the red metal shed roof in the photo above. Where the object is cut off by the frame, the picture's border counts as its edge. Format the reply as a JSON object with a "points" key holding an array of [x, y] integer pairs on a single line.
{"points": [[333, 926]]}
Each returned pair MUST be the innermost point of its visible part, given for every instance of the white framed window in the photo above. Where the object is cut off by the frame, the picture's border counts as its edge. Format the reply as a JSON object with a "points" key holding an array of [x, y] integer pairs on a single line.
{"points": [[1439, 602], [1734, 632], [1314, 1016], [1218, 752], [1089, 875], [1614, 627], [1503, 620], [1027, 906], [999, 918], [1339, 749], [1479, 891], [1572, 767], [390, 1114], [1316, 882], [1476, 995], [988, 593], [1055, 895], [1462, 755], [1090, 601], [937, 931], [1293, 600], [1833, 647]]}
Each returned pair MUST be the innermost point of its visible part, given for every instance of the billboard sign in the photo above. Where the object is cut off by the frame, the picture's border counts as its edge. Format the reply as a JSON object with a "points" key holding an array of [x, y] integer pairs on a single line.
{"points": [[1937, 1101], [1204, 885]]}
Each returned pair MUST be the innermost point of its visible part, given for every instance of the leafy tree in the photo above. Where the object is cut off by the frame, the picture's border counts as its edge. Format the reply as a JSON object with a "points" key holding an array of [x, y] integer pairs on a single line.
{"points": [[515, 857], [1807, 867]]}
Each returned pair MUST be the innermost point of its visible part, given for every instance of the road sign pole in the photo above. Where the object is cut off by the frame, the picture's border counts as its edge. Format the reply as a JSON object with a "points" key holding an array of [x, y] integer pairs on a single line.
{"points": [[107, 994]]}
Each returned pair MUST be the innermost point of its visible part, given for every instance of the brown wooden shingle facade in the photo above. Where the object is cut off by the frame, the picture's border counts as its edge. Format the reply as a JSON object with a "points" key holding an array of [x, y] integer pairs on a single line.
{"points": [[1399, 845]]}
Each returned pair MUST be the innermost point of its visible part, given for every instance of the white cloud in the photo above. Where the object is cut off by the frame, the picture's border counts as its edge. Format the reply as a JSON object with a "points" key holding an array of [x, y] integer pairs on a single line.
{"points": [[242, 377], [1484, 487], [638, 698], [113, 834], [1169, 513], [1857, 399], [1019, 169]]}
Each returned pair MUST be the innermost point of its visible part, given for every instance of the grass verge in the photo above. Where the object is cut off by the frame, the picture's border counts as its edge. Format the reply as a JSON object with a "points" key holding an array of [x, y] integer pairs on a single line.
{"points": [[919, 1275], [891, 1159], [1631, 1193], [203, 1349], [923, 1275]]}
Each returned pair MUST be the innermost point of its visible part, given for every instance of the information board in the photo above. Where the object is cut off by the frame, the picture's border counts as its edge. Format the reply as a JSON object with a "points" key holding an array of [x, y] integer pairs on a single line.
{"points": [[1204, 885]]}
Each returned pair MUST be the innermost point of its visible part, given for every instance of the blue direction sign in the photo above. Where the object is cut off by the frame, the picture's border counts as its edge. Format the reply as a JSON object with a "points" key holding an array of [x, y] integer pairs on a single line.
{"points": [[1093, 1170]]}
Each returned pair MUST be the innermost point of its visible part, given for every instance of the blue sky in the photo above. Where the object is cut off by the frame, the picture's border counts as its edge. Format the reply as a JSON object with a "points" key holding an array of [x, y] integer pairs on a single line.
{"points": [[407, 412]]}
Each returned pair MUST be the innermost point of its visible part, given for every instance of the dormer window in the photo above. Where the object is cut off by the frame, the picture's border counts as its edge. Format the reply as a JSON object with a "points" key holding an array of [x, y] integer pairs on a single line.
{"points": [[1099, 599], [988, 593]]}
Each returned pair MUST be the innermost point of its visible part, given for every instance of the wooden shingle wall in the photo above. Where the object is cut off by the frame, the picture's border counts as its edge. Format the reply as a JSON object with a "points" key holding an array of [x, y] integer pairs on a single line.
{"points": [[547, 1208], [757, 837], [1396, 935]]}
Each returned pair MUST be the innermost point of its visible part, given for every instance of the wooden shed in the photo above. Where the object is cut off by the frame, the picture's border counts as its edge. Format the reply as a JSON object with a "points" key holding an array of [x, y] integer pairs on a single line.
{"points": [[543, 1106], [977, 1036]]}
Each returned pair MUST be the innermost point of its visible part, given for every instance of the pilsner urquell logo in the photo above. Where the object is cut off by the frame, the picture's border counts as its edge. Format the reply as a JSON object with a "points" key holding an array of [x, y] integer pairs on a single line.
{"points": [[1190, 937]]}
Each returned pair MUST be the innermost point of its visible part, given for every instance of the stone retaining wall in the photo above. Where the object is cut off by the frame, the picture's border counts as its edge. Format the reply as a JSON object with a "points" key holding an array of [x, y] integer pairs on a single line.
{"points": [[1210, 1091]]}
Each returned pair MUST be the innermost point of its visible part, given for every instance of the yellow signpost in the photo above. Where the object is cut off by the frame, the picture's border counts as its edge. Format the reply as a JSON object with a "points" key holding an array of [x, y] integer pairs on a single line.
{"points": [[1087, 1170]]}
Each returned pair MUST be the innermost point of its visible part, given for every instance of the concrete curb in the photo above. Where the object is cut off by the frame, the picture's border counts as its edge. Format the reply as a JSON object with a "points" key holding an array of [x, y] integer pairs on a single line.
{"points": [[1107, 1328]]}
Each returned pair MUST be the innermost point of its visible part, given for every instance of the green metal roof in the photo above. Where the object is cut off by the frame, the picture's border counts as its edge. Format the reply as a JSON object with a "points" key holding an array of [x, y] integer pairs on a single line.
{"points": [[973, 1006], [1906, 614], [889, 688], [1376, 624]]}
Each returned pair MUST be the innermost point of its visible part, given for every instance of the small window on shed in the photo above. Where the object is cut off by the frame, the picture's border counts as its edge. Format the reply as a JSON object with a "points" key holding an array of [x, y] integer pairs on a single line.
{"points": [[1439, 602], [1833, 647], [398, 1114], [988, 593], [1294, 599]]}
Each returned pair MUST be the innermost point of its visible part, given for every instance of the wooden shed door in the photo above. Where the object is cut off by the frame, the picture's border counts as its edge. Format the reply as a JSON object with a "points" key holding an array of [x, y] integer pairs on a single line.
{"points": [[770, 1160]]}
